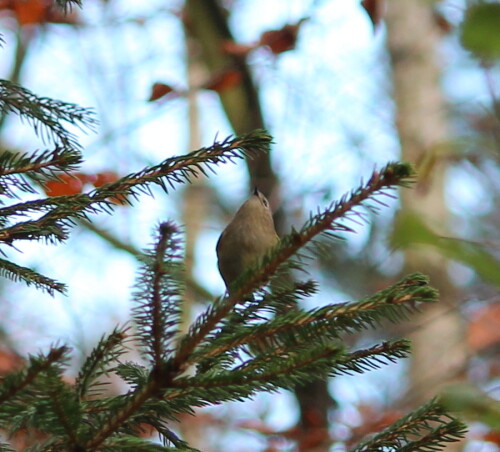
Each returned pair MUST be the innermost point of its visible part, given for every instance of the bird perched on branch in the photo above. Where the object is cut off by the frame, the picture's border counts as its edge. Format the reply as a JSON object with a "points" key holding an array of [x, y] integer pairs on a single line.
{"points": [[246, 239]]}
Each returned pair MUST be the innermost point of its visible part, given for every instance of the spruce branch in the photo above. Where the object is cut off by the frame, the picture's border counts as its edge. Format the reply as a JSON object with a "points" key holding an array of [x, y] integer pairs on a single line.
{"points": [[372, 358], [133, 403], [158, 295], [15, 382], [157, 316], [66, 5], [358, 361], [39, 167], [168, 173], [285, 371], [136, 375], [50, 445], [326, 222], [18, 273], [34, 206], [61, 412], [168, 435], [45, 115], [450, 432], [279, 368], [107, 350], [134, 444], [179, 170], [393, 303], [425, 429]]}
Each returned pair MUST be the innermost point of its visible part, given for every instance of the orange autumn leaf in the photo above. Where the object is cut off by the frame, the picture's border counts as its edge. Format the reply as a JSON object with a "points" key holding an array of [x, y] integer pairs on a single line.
{"points": [[32, 12], [483, 330], [68, 184], [72, 184], [492, 437], [159, 90], [107, 177], [224, 80]]}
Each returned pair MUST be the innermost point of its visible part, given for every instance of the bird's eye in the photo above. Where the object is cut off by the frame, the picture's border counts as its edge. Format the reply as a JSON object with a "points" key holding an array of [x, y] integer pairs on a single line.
{"points": [[264, 201]]}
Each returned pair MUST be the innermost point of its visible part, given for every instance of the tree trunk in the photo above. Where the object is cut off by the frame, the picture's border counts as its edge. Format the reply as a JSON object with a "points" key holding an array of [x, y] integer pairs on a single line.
{"points": [[207, 22], [439, 351]]}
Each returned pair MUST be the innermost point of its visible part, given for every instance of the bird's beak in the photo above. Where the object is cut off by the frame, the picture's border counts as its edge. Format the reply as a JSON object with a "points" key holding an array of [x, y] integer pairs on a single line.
{"points": [[255, 191]]}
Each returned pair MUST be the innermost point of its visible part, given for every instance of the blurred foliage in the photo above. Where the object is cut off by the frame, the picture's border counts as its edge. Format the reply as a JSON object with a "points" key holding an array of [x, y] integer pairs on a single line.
{"points": [[472, 403], [411, 231], [480, 30]]}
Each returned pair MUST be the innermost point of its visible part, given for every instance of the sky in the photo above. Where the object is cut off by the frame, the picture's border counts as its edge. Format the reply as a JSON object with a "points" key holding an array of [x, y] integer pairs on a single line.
{"points": [[130, 56], [327, 104]]}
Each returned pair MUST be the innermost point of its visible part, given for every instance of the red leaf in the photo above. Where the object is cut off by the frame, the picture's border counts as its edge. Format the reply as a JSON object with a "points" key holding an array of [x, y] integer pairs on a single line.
{"points": [[280, 41], [444, 25], [233, 48], [224, 80], [375, 10], [159, 90]]}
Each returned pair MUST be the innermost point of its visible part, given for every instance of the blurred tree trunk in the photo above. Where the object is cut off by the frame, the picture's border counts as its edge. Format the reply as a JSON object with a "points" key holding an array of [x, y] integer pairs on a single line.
{"points": [[206, 21], [413, 38]]}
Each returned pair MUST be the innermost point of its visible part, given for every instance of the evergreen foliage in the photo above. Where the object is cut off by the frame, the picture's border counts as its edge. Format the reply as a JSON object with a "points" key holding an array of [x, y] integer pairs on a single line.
{"points": [[242, 344], [68, 4]]}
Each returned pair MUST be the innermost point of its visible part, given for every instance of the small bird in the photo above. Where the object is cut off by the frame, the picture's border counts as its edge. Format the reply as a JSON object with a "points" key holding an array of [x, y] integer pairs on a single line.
{"points": [[246, 239]]}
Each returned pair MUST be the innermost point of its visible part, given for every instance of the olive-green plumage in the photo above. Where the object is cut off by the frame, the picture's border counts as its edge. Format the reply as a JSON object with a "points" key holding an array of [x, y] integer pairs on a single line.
{"points": [[246, 239]]}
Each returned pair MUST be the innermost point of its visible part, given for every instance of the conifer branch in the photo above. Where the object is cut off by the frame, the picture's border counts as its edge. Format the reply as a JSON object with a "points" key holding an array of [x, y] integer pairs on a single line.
{"points": [[16, 272], [240, 345], [45, 115], [49, 445], [450, 432], [306, 364], [358, 361], [15, 382], [34, 206], [179, 170], [430, 424], [280, 368], [133, 444], [392, 303], [107, 350], [39, 167], [132, 373], [372, 358], [157, 316], [63, 407], [326, 222], [66, 5], [158, 295], [168, 173], [134, 402], [45, 162]]}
